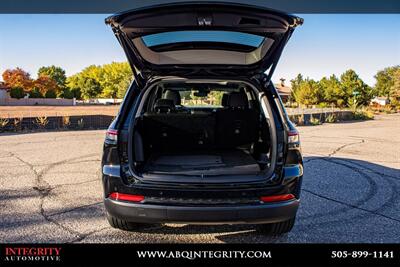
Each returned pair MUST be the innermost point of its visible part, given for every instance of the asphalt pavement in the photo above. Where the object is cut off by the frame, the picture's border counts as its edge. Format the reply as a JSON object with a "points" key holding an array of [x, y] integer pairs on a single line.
{"points": [[50, 190]]}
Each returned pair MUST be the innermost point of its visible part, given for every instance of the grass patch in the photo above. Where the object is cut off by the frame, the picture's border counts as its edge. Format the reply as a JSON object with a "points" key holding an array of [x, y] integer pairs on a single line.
{"points": [[314, 121], [331, 118], [363, 114]]}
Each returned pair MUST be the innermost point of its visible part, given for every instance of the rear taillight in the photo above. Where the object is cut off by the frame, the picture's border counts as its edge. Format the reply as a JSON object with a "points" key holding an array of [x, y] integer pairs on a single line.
{"points": [[277, 198], [112, 136], [293, 137], [126, 197]]}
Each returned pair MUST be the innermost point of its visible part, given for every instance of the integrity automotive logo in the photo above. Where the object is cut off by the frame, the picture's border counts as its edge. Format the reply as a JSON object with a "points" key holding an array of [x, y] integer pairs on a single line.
{"points": [[31, 254]]}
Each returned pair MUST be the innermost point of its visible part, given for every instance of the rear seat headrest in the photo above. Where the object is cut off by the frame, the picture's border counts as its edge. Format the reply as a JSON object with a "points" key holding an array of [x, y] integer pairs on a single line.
{"points": [[164, 105], [238, 100], [224, 100], [174, 96]]}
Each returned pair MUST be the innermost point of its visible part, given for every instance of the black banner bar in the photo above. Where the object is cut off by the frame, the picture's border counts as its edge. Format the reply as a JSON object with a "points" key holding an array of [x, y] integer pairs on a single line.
{"points": [[200, 254], [113, 6]]}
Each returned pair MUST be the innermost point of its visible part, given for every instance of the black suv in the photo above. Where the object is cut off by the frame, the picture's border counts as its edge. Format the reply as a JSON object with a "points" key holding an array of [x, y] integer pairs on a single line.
{"points": [[202, 136]]}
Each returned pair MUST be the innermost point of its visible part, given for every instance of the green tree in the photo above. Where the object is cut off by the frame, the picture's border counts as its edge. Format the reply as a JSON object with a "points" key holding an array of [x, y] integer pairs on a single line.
{"points": [[76, 92], [116, 78], [70, 93], [355, 91], [308, 92], [332, 91], [35, 93], [387, 82], [55, 73], [66, 93], [113, 80], [395, 92], [17, 92], [89, 87], [85, 84], [73, 84], [216, 96], [295, 83], [50, 94]]}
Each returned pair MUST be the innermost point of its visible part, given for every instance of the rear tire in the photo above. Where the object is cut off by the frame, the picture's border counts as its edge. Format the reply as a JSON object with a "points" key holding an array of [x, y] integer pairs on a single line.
{"points": [[125, 225], [277, 228]]}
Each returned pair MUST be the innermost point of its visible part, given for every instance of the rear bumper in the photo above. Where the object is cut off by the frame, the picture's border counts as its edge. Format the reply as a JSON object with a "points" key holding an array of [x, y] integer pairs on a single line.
{"points": [[149, 213]]}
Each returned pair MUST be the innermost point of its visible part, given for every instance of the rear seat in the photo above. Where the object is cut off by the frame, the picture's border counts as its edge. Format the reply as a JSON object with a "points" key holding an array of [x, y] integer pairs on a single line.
{"points": [[237, 124], [169, 131], [166, 129], [174, 96], [224, 100]]}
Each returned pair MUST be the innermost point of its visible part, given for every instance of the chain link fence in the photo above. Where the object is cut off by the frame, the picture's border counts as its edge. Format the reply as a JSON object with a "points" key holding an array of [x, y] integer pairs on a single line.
{"points": [[299, 111], [84, 122]]}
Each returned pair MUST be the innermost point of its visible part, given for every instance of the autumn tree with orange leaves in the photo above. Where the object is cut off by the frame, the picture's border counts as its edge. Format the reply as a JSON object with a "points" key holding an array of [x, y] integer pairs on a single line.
{"points": [[17, 78], [43, 86], [46, 86]]}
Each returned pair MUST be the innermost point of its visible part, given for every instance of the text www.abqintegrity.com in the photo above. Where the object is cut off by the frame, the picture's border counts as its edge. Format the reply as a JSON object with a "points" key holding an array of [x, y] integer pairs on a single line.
{"points": [[204, 254]]}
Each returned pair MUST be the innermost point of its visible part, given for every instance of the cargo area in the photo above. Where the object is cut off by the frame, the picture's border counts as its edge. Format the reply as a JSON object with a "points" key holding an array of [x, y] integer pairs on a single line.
{"points": [[201, 130]]}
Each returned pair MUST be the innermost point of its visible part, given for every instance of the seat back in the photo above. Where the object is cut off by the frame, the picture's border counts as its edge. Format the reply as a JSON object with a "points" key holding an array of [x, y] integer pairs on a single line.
{"points": [[164, 106], [236, 125], [174, 96], [182, 131]]}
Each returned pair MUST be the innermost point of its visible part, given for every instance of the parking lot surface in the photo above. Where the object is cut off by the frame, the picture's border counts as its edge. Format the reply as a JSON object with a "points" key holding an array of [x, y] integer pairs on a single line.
{"points": [[50, 190]]}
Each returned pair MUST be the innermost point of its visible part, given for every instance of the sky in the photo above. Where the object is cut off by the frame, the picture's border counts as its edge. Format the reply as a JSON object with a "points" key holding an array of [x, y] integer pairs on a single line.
{"points": [[323, 45]]}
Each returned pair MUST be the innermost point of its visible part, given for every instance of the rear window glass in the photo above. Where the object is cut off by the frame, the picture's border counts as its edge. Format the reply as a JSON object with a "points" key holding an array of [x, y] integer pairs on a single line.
{"points": [[202, 36], [192, 99]]}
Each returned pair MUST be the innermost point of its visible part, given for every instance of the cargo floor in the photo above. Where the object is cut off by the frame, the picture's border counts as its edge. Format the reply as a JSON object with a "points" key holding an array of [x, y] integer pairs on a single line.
{"points": [[216, 162]]}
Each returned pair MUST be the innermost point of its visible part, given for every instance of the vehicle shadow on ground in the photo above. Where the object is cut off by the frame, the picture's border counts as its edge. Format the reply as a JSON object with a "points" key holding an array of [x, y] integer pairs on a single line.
{"points": [[351, 211], [318, 218]]}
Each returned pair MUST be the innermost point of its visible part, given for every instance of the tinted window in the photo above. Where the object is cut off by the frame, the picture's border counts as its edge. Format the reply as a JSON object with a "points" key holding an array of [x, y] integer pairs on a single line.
{"points": [[203, 36]]}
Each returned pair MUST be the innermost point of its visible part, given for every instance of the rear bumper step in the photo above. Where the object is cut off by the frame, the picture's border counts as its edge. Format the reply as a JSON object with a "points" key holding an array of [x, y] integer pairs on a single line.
{"points": [[149, 213]]}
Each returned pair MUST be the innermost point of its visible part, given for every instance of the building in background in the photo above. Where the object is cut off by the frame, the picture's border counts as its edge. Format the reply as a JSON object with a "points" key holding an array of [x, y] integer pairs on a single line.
{"points": [[283, 90], [380, 100], [4, 91]]}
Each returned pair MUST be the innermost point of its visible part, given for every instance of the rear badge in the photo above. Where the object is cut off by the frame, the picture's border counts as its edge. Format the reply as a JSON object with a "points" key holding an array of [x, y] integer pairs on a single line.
{"points": [[204, 21]]}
